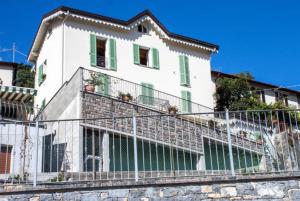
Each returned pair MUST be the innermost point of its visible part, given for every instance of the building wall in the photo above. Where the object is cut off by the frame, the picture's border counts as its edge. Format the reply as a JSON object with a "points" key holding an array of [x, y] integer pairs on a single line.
{"points": [[77, 53], [7, 75], [51, 51]]}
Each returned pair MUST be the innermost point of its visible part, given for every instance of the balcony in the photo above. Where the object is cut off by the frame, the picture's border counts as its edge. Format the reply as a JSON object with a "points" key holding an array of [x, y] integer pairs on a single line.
{"points": [[127, 91]]}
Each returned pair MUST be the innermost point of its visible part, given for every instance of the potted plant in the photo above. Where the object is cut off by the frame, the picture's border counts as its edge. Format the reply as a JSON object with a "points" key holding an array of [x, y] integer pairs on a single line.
{"points": [[92, 82], [258, 138], [125, 97], [172, 110]]}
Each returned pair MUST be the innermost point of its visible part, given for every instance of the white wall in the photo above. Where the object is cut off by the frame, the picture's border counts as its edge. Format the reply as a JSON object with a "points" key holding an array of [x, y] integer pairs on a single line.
{"points": [[51, 51], [6, 75], [166, 79]]}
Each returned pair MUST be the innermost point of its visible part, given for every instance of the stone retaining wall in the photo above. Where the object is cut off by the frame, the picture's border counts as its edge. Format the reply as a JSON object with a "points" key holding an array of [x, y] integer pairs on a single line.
{"points": [[286, 190], [182, 131]]}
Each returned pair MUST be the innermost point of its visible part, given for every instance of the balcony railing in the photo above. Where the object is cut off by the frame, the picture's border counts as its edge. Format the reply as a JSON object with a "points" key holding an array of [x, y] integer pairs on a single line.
{"points": [[114, 87]]}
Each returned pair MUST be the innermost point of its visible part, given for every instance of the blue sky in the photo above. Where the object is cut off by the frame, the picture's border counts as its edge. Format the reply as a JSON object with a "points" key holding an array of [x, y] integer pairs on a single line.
{"points": [[262, 37]]}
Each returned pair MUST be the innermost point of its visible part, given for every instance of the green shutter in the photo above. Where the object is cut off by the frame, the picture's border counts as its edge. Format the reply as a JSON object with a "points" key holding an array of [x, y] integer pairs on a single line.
{"points": [[136, 54], [150, 94], [113, 54], [144, 93], [184, 70], [187, 70], [40, 74], [147, 94], [43, 104], [189, 103], [155, 58], [93, 50], [105, 85], [186, 101]]}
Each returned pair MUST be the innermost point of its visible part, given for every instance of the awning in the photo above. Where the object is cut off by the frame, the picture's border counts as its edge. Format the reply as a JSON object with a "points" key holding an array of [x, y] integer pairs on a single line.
{"points": [[19, 94]]}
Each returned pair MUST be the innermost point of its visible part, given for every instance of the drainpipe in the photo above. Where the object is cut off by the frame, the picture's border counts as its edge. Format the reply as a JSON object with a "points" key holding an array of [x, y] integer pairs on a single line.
{"points": [[63, 47]]}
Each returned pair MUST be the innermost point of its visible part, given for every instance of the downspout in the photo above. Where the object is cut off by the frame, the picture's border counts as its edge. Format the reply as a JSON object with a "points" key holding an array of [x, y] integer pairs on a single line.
{"points": [[63, 48]]}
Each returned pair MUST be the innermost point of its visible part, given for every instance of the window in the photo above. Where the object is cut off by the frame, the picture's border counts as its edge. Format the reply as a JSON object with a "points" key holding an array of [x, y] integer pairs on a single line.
{"points": [[42, 72], [261, 95], [186, 101], [147, 94], [144, 56], [279, 97], [5, 158], [43, 104], [141, 56], [103, 52], [184, 70], [142, 29]]}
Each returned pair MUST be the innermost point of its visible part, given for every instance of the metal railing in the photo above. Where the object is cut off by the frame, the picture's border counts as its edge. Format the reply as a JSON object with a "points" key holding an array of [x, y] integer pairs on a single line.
{"points": [[143, 147], [114, 87]]}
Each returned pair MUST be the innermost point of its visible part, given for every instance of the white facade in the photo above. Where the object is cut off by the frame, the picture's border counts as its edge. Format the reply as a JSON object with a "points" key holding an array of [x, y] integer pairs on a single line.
{"points": [[66, 47], [7, 72]]}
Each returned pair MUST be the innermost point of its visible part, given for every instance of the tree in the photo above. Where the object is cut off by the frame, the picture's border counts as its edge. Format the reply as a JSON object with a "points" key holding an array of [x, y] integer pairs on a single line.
{"points": [[24, 76], [233, 93], [237, 94]]}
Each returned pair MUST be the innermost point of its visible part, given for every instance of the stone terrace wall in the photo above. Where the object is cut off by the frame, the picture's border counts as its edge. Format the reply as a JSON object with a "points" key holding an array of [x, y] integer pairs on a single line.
{"points": [[286, 190], [177, 131]]}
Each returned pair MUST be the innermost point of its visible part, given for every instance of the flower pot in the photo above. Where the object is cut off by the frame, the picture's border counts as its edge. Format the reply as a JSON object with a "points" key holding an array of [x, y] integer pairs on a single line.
{"points": [[172, 111], [89, 88], [125, 98]]}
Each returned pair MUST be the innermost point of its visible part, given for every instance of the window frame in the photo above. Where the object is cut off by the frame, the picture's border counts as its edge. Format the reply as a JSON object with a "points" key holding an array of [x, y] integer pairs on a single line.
{"points": [[42, 77], [147, 56], [144, 29], [99, 38]]}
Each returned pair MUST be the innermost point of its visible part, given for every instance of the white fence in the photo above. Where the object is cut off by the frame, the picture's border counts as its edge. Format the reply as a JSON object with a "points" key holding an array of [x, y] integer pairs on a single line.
{"points": [[147, 147]]}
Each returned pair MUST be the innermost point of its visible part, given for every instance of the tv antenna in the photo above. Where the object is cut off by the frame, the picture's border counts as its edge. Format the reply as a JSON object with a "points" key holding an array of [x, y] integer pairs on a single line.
{"points": [[14, 50]]}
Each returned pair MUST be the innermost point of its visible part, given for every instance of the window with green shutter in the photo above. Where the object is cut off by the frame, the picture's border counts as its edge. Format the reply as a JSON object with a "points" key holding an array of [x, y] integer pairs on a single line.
{"points": [[147, 94], [93, 50], [155, 58], [136, 54], [142, 56], [184, 70], [43, 104], [186, 102], [41, 73], [104, 87], [112, 54]]}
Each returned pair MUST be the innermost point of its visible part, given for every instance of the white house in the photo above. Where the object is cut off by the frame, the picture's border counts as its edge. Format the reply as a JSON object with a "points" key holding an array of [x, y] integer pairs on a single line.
{"points": [[76, 51], [268, 93], [140, 50]]}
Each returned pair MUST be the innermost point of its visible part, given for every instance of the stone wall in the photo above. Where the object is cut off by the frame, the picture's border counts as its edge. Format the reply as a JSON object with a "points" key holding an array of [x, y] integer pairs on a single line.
{"points": [[286, 190], [183, 131]]}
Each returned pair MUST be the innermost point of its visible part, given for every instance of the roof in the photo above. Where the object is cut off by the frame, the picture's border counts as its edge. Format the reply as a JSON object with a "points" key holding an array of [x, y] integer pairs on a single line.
{"points": [[6, 63], [254, 82], [73, 11]]}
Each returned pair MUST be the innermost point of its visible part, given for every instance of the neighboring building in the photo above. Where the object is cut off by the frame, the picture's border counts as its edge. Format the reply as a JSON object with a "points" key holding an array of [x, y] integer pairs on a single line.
{"points": [[14, 107], [140, 50], [7, 73], [268, 93]]}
